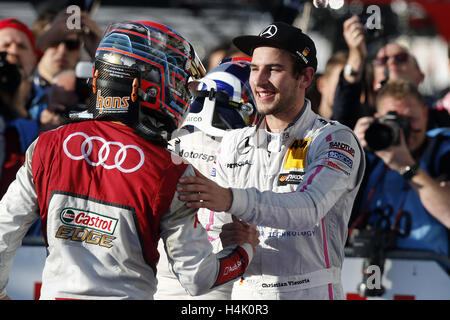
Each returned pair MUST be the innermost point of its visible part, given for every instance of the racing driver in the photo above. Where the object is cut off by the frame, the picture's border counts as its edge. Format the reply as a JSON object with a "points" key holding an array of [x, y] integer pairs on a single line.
{"points": [[105, 187], [295, 175]]}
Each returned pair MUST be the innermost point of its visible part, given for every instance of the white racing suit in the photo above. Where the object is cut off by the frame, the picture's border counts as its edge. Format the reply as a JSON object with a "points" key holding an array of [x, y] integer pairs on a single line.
{"points": [[105, 197], [316, 167], [199, 149]]}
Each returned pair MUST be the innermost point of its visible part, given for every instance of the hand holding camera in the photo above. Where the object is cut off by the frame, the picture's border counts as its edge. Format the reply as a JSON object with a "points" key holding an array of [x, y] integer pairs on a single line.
{"points": [[89, 33], [13, 88], [387, 137]]}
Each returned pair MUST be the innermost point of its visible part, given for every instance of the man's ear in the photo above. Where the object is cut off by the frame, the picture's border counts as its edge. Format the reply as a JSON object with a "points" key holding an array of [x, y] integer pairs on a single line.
{"points": [[307, 77]]}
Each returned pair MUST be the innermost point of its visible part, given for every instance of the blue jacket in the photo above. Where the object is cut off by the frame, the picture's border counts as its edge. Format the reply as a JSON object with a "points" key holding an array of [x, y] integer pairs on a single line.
{"points": [[393, 198]]}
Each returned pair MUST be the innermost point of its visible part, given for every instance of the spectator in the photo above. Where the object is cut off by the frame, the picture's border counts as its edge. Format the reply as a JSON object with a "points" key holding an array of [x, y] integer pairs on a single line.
{"points": [[63, 97], [102, 236], [224, 50], [405, 183], [295, 175], [443, 103], [61, 48], [20, 57], [392, 62], [326, 83], [231, 106]]}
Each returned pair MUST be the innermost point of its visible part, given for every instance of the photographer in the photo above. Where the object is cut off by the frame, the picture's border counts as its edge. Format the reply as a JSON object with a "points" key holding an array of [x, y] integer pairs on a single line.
{"points": [[68, 93], [62, 48], [357, 86], [18, 56], [405, 190]]}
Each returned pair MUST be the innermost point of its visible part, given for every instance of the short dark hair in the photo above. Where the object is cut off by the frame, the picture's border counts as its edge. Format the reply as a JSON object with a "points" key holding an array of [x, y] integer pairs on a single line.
{"points": [[297, 66], [399, 89]]}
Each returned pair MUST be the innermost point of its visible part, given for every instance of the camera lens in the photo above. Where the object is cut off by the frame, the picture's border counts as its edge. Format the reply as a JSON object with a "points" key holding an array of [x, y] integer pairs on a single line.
{"points": [[379, 136]]}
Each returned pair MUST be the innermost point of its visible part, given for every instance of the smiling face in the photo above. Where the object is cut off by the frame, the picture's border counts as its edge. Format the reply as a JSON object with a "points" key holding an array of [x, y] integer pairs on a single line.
{"points": [[278, 92]]}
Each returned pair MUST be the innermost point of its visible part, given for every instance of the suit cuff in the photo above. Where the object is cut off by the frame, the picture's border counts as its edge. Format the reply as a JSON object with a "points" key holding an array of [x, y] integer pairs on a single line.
{"points": [[240, 202], [248, 248]]}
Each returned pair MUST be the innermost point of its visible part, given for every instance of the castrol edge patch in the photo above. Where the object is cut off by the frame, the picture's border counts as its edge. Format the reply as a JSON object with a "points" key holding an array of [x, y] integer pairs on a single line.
{"points": [[87, 219]]}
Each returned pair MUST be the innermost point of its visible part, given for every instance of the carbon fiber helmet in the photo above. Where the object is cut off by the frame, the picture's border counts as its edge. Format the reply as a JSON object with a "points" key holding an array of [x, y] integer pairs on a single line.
{"points": [[223, 98], [140, 77]]}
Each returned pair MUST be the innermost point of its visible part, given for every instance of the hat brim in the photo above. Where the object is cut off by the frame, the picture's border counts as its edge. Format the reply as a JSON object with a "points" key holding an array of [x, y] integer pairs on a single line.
{"points": [[248, 43]]}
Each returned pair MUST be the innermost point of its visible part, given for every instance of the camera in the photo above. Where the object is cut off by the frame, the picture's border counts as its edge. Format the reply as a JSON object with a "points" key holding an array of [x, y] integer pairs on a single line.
{"points": [[9, 75], [385, 131]]}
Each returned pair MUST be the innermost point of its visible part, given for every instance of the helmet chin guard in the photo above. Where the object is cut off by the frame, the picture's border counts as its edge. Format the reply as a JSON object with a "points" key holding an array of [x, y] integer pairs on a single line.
{"points": [[203, 120], [223, 99]]}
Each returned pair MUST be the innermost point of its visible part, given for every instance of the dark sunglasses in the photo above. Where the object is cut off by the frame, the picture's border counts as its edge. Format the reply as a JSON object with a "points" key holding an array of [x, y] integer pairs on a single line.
{"points": [[398, 58], [71, 44]]}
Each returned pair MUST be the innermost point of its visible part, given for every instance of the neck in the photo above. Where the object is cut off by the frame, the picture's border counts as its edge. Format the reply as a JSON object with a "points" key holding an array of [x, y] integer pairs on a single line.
{"points": [[278, 122], [276, 125]]}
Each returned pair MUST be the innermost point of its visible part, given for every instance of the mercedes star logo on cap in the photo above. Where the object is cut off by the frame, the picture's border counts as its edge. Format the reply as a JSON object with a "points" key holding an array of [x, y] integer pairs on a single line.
{"points": [[269, 32]]}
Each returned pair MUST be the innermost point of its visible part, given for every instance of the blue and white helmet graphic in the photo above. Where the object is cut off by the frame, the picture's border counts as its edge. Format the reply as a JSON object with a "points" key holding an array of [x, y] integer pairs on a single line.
{"points": [[223, 99]]}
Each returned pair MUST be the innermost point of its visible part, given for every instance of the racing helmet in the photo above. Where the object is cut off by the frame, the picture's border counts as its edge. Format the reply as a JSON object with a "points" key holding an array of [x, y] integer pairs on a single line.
{"points": [[140, 77], [223, 98]]}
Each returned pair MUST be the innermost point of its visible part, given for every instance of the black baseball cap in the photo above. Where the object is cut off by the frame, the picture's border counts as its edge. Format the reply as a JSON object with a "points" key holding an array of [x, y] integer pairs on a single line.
{"points": [[283, 36]]}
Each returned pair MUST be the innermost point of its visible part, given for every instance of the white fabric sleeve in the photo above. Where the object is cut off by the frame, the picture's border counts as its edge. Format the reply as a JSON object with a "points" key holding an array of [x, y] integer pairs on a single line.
{"points": [[191, 254], [326, 180]]}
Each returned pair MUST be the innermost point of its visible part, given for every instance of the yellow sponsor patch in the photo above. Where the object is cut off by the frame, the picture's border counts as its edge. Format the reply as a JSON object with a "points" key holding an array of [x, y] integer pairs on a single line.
{"points": [[296, 154]]}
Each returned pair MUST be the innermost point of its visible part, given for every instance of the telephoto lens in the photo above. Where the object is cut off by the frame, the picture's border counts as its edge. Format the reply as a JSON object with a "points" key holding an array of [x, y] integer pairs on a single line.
{"points": [[385, 131], [379, 136]]}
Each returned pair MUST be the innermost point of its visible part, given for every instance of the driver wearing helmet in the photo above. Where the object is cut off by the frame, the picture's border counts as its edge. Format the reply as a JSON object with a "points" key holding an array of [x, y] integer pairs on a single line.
{"points": [[222, 100], [105, 188]]}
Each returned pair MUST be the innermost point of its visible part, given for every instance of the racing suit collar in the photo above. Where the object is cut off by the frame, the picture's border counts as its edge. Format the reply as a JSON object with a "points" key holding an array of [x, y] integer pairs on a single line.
{"points": [[260, 137]]}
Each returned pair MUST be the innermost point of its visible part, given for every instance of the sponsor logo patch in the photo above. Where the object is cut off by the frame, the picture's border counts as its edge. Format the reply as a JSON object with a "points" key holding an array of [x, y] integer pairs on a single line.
{"points": [[342, 147], [111, 104], [85, 219], [296, 154], [334, 165], [292, 177], [341, 157], [186, 154], [239, 164]]}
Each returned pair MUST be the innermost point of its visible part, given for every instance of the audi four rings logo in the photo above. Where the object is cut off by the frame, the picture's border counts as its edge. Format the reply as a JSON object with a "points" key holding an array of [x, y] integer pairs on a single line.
{"points": [[103, 153], [269, 32]]}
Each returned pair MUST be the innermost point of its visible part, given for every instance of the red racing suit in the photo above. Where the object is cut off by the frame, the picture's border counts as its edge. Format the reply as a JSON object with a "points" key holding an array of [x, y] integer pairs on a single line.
{"points": [[105, 197]]}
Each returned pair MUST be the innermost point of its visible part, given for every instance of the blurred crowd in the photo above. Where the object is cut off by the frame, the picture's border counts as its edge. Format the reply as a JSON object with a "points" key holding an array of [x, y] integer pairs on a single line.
{"points": [[44, 72], [43, 79]]}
